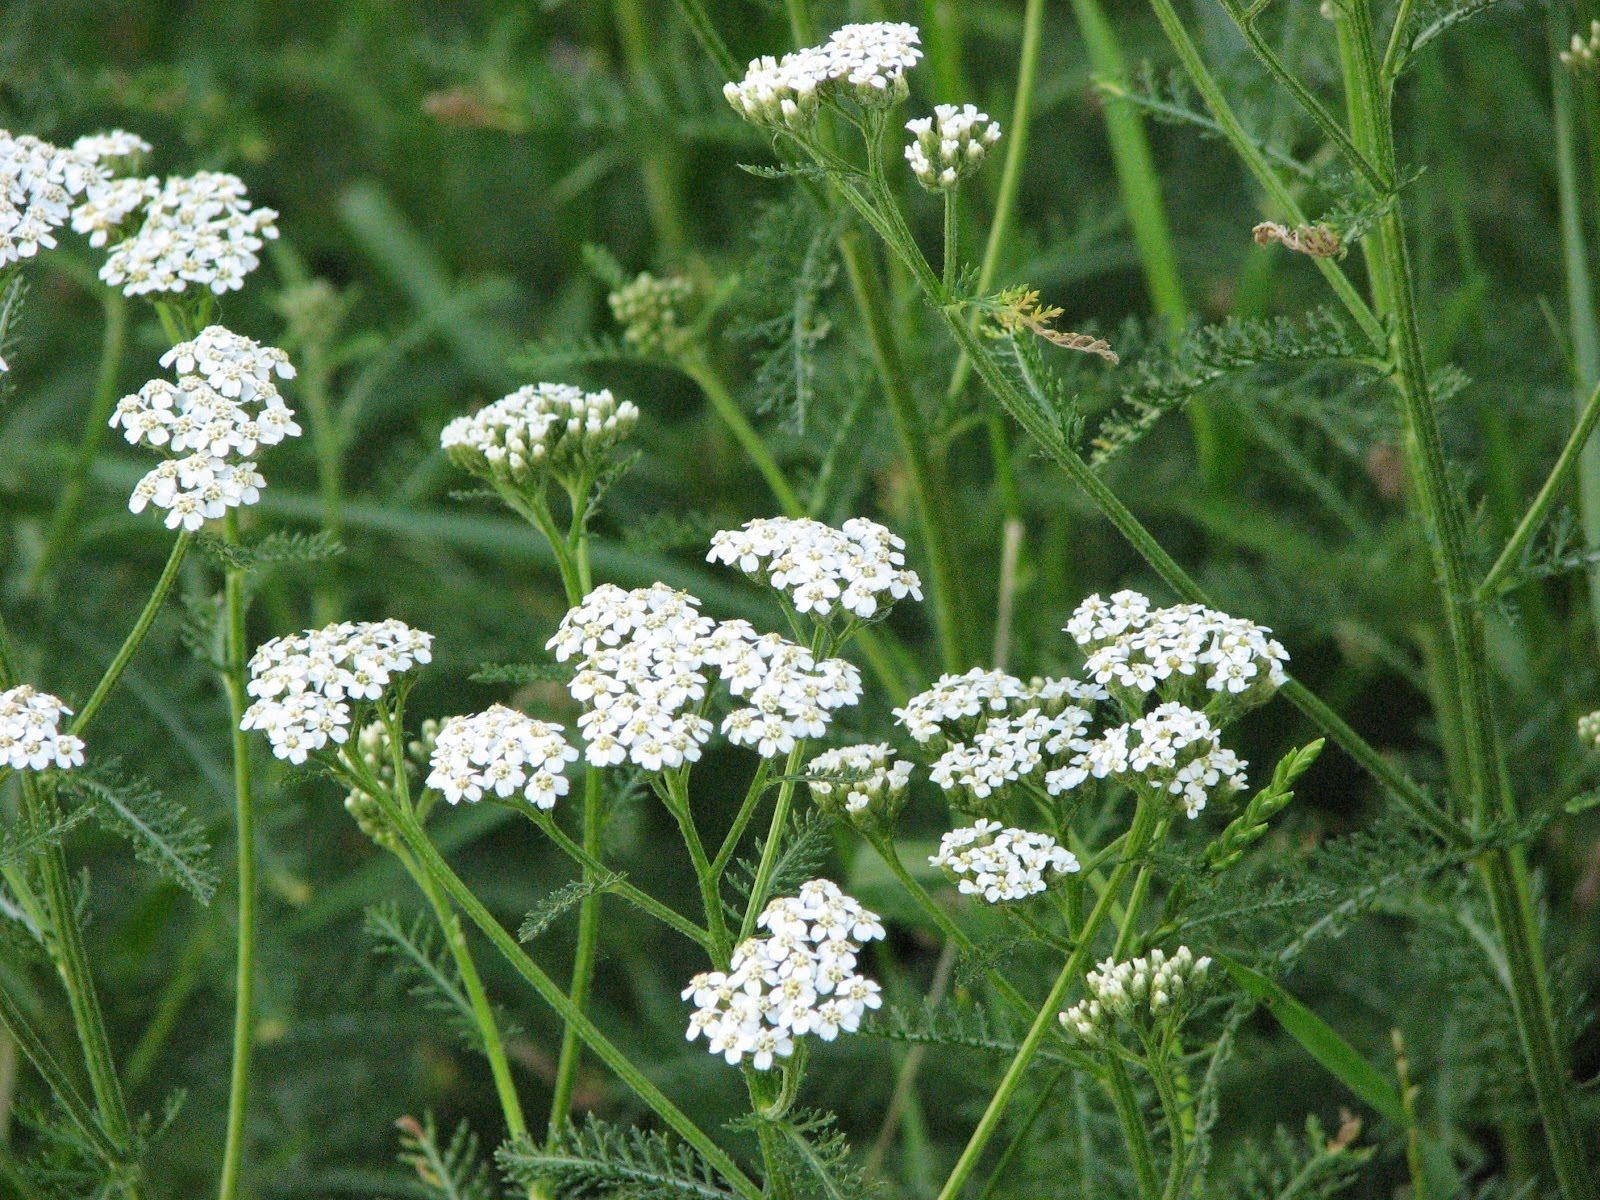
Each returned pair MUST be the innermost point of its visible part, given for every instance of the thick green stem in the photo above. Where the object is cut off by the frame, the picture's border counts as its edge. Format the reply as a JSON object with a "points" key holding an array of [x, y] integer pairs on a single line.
{"points": [[603, 1048], [234, 673], [1134, 1134], [65, 523], [583, 960], [1138, 837]]}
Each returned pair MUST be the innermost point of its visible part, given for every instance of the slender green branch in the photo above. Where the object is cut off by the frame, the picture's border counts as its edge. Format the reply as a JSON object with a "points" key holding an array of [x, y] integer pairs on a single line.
{"points": [[1566, 462], [741, 820], [603, 1048], [770, 851], [731, 415], [233, 675], [1134, 1133], [61, 1084]]}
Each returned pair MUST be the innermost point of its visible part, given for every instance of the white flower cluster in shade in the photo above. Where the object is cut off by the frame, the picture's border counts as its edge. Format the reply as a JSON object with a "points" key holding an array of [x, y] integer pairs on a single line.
{"points": [[30, 732], [304, 684], [188, 232], [538, 430], [949, 145], [1172, 750], [650, 309], [223, 408], [38, 182], [957, 704], [1008, 749], [645, 661], [1589, 729], [1000, 864], [862, 780], [1183, 651], [1139, 991], [864, 63], [859, 567], [502, 751], [799, 980]]}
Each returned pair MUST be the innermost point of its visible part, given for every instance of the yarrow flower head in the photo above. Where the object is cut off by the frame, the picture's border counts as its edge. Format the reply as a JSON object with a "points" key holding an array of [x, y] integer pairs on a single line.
{"points": [[798, 980], [540, 431], [948, 146], [865, 784], [305, 684], [31, 738], [957, 705], [1140, 992], [223, 408], [1172, 751], [195, 232], [501, 751], [863, 63], [1186, 652], [38, 182], [1000, 864], [1589, 730], [1006, 750], [646, 662], [651, 309], [859, 567]]}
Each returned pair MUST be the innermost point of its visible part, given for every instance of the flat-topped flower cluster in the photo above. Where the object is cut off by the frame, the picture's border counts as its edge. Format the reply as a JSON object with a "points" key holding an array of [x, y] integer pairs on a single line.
{"points": [[304, 684], [539, 431], [646, 658], [863, 63], [224, 406], [860, 781], [1139, 992], [502, 751], [31, 737], [858, 567], [39, 181], [1000, 864], [950, 145], [798, 980]]}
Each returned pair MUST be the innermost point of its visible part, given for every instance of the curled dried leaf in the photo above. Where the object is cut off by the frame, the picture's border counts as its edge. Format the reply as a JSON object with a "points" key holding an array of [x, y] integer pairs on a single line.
{"points": [[1019, 309], [1317, 241]]}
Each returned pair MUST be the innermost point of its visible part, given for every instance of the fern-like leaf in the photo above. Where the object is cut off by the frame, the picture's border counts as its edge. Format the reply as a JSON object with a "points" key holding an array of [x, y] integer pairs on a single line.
{"points": [[597, 1159], [562, 901], [162, 832], [424, 966], [448, 1171]]}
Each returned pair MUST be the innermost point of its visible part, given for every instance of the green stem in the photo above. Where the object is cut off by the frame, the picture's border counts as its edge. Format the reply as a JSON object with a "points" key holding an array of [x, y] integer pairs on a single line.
{"points": [[583, 960], [1131, 1118], [69, 509], [234, 673], [710, 897], [136, 635], [1531, 521], [731, 415], [770, 851], [741, 820], [1138, 837], [604, 1049]]}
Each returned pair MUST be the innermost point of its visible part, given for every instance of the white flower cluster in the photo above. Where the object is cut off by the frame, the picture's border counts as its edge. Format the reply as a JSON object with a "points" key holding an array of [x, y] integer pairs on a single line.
{"points": [[502, 751], [1589, 729], [1002, 864], [950, 145], [30, 732], [542, 428], [223, 408], [304, 683], [956, 704], [1171, 749], [1008, 749], [800, 979], [37, 184], [859, 567], [1137, 991], [864, 781], [643, 675], [650, 309], [1580, 55], [194, 231], [1184, 651], [864, 63]]}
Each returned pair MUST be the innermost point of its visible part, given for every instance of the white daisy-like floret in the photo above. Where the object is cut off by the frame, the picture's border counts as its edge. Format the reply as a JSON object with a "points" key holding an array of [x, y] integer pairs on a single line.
{"points": [[539, 430], [1006, 750], [1184, 651], [956, 704], [871, 59], [986, 859], [1172, 750], [197, 489], [31, 738], [1138, 992], [501, 751], [304, 684], [38, 182], [950, 145], [863, 781], [780, 91], [789, 695], [865, 63], [798, 980], [194, 231], [859, 567], [114, 147]]}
